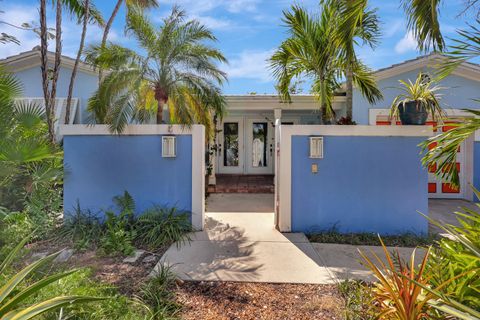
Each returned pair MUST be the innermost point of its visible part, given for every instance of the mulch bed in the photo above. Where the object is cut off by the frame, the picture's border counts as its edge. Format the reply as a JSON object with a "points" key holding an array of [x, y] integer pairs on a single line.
{"points": [[235, 300]]}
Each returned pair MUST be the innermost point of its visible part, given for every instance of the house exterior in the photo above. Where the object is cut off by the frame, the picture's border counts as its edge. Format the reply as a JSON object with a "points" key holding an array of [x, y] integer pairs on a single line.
{"points": [[244, 143]]}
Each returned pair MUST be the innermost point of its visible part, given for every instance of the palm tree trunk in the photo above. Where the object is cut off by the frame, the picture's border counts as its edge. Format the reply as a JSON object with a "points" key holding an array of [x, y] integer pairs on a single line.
{"points": [[44, 63], [56, 68], [160, 112], [77, 60], [349, 93], [106, 31]]}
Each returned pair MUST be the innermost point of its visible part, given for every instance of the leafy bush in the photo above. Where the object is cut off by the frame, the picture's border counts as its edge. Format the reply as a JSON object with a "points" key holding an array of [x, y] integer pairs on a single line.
{"points": [[117, 239], [455, 263], [82, 229], [156, 295], [358, 298], [159, 227]]}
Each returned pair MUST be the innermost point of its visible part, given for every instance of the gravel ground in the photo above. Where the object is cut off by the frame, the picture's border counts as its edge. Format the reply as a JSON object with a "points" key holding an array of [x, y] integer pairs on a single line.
{"points": [[235, 300]]}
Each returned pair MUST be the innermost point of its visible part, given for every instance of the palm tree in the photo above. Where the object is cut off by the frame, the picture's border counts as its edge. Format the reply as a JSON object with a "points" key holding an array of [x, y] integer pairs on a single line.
{"points": [[358, 25], [138, 3], [86, 18], [308, 51], [178, 71]]}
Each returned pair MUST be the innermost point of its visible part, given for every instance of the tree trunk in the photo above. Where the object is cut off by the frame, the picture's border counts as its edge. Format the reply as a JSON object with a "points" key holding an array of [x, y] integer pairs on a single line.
{"points": [[349, 93], [160, 111], [325, 117], [44, 66], [105, 33], [77, 60]]}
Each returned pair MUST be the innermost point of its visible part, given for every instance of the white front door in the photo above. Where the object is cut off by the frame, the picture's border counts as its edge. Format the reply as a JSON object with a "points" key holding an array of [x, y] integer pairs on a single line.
{"points": [[230, 146], [259, 146]]}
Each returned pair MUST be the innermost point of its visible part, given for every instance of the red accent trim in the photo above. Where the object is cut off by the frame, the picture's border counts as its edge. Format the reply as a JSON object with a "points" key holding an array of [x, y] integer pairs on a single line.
{"points": [[432, 168], [447, 167], [432, 187], [383, 123], [448, 188]]}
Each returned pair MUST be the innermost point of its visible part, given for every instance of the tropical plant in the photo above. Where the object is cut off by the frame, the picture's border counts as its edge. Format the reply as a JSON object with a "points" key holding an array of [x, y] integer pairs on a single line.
{"points": [[119, 233], [446, 144], [50, 76], [28, 161], [358, 298], [157, 297], [86, 18], [13, 294], [359, 25], [159, 227], [81, 228], [399, 290], [144, 4], [178, 70], [308, 51], [423, 92]]}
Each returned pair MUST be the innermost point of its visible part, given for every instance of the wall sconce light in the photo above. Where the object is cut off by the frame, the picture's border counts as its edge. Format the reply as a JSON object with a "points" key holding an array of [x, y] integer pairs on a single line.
{"points": [[169, 147], [316, 147]]}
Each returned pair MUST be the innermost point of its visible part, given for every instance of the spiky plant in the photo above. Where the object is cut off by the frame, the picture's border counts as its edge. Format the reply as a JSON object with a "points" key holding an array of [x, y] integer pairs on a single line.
{"points": [[15, 290], [423, 92]]}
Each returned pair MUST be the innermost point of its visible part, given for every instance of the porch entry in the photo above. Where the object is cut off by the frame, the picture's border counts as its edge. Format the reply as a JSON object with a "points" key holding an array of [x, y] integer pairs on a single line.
{"points": [[245, 146]]}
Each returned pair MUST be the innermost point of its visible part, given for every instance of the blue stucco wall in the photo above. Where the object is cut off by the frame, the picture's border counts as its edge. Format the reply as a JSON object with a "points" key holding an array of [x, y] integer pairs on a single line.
{"points": [[99, 167], [363, 184], [84, 86], [458, 94]]}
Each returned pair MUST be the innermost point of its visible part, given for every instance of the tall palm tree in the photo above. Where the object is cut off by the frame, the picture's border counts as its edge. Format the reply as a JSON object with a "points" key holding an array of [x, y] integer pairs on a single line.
{"points": [[308, 51], [88, 7], [178, 70], [138, 3], [359, 25]]}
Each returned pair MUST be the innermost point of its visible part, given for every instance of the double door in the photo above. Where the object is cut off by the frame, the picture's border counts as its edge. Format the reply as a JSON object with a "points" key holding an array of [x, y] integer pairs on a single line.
{"points": [[245, 146]]}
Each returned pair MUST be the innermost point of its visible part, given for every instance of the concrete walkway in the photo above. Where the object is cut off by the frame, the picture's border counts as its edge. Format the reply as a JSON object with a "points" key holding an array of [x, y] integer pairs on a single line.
{"points": [[244, 246]]}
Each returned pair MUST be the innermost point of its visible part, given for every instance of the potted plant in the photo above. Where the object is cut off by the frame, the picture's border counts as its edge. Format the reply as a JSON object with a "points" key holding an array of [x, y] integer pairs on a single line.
{"points": [[418, 99]]}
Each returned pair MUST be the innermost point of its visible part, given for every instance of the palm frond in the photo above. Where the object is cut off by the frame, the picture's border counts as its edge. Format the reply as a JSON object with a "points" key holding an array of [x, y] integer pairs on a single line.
{"points": [[422, 21]]}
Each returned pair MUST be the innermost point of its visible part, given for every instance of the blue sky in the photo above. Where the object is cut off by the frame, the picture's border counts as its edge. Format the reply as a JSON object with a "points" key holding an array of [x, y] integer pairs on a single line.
{"points": [[248, 31]]}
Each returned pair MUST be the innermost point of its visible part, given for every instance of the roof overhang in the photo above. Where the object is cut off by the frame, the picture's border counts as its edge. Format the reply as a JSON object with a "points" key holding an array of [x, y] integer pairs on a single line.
{"points": [[272, 102], [32, 58], [466, 70]]}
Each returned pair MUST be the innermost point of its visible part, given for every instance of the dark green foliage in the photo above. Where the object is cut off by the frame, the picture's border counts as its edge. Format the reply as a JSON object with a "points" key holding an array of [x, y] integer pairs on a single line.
{"points": [[82, 229], [159, 227], [358, 300], [117, 238], [371, 239], [158, 297], [456, 264]]}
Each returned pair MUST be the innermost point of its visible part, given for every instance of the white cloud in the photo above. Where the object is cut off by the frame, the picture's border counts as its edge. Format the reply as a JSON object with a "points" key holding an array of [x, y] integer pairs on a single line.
{"points": [[236, 6], [407, 43], [251, 65], [71, 32], [213, 23]]}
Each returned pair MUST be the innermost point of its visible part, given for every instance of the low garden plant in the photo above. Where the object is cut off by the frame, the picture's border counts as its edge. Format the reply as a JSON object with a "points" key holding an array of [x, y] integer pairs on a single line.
{"points": [[371, 239], [122, 230]]}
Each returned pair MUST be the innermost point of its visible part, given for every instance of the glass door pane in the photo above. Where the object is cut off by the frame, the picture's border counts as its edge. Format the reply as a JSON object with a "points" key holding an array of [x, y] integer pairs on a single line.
{"points": [[259, 144], [230, 137]]}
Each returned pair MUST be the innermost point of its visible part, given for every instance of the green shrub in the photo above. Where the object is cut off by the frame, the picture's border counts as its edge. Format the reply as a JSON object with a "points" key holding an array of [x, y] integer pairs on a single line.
{"points": [[157, 296], [159, 227], [118, 237], [371, 239], [358, 298], [455, 261], [82, 229]]}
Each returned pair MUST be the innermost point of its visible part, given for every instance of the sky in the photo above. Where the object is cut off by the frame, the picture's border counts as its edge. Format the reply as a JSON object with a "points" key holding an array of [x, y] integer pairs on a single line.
{"points": [[248, 32]]}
